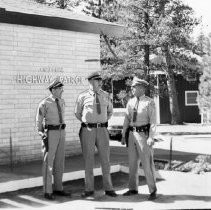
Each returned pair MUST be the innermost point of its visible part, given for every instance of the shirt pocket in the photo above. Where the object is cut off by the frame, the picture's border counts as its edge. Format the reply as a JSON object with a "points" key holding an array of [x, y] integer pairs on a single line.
{"points": [[89, 105], [52, 110], [142, 109], [104, 103]]}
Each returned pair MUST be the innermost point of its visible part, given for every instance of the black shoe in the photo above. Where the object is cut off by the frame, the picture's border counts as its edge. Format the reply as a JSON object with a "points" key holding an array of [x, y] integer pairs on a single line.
{"points": [[152, 196], [130, 192], [87, 194], [111, 193], [49, 196], [62, 193]]}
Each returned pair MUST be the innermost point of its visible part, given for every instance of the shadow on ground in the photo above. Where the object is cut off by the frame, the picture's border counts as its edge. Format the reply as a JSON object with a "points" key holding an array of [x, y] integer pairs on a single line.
{"points": [[34, 197]]}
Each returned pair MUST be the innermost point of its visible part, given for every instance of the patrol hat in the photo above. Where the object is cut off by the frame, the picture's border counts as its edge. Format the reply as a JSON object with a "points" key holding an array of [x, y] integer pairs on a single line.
{"points": [[137, 81], [55, 83], [94, 75]]}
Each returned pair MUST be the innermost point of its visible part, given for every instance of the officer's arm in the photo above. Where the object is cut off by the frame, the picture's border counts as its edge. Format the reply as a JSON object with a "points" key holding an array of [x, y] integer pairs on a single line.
{"points": [[110, 108], [152, 119], [63, 106], [79, 108], [126, 120], [39, 118]]}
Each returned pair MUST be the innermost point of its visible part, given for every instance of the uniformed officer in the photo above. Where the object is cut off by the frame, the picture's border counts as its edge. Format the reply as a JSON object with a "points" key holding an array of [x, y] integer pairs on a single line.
{"points": [[51, 127], [140, 122], [93, 109]]}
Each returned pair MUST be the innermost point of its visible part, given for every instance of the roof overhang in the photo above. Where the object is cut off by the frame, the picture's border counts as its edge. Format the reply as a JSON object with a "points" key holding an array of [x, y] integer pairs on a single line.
{"points": [[57, 19]]}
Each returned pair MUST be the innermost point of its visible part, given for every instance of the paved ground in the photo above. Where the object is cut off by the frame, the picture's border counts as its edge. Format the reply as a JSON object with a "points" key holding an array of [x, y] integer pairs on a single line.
{"points": [[176, 190]]}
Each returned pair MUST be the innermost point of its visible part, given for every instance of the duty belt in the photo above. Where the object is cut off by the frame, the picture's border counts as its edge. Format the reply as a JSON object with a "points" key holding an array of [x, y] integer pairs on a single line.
{"points": [[143, 128], [94, 125], [55, 127]]}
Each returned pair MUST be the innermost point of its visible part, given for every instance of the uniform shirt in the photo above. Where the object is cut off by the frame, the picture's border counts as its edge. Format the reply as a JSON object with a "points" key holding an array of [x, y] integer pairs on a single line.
{"points": [[86, 109], [146, 113], [47, 112]]}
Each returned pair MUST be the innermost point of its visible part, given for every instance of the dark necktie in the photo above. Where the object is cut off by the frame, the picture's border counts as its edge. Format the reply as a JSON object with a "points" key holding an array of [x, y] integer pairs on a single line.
{"points": [[98, 104], [59, 110], [135, 110]]}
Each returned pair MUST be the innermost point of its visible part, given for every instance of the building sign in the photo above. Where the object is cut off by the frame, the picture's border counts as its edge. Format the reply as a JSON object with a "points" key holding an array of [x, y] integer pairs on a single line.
{"points": [[40, 79], [47, 77]]}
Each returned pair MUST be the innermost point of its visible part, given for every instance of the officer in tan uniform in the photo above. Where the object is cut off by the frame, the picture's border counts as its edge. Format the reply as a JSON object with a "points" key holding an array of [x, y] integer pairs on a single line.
{"points": [[93, 109], [51, 127], [140, 124]]}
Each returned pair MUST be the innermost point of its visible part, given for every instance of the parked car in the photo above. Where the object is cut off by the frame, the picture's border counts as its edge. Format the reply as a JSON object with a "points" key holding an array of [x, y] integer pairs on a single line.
{"points": [[115, 124]]}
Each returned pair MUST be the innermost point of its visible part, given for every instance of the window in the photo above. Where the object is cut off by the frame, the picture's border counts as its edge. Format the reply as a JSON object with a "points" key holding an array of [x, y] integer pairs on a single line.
{"points": [[191, 77], [191, 98]]}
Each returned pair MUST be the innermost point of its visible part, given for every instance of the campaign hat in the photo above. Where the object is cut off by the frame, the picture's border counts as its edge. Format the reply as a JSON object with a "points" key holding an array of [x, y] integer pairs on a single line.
{"points": [[94, 75], [55, 83], [138, 81]]}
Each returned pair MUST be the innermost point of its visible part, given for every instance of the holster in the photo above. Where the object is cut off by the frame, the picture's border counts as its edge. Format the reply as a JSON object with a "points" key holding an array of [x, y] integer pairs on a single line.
{"points": [[144, 128], [45, 140], [127, 136]]}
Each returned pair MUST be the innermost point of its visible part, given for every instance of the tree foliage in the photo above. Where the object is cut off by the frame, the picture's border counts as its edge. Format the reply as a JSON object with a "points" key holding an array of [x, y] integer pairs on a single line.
{"points": [[153, 29], [62, 4], [204, 98], [203, 48]]}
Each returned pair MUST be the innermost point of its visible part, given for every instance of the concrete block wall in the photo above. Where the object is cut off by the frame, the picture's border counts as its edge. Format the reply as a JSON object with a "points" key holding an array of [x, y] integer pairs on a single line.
{"points": [[30, 57]]}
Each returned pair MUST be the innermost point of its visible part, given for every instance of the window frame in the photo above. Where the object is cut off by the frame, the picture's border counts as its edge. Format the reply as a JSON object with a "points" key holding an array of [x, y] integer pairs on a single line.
{"points": [[186, 97]]}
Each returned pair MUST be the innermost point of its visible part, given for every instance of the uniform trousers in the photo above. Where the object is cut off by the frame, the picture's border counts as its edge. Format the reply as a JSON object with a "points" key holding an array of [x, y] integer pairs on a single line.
{"points": [[99, 137], [53, 163], [139, 151]]}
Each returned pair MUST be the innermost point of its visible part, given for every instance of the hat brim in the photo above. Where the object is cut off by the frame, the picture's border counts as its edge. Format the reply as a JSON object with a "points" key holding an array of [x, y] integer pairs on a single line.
{"points": [[55, 86], [95, 78], [59, 85], [139, 84]]}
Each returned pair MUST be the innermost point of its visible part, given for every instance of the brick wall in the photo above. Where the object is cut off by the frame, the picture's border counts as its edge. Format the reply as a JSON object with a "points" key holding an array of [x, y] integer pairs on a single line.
{"points": [[29, 58]]}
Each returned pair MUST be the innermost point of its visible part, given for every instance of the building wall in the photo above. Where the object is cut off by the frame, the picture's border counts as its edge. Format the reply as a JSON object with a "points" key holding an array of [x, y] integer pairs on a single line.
{"points": [[30, 57], [189, 114]]}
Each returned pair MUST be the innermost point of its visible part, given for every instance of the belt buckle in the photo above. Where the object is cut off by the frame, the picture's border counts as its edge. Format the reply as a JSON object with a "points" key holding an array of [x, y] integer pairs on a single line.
{"points": [[134, 129], [60, 126], [98, 125]]}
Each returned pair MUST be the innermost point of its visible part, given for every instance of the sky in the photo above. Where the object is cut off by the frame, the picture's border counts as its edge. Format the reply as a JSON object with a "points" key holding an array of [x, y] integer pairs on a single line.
{"points": [[202, 9]]}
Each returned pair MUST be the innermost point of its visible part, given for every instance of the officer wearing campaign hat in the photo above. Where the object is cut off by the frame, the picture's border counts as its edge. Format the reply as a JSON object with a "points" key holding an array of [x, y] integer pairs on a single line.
{"points": [[51, 127], [95, 76], [137, 81], [93, 109], [139, 128], [55, 83]]}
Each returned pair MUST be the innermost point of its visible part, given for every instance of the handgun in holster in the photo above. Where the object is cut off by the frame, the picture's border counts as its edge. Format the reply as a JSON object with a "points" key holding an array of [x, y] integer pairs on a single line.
{"points": [[127, 136], [145, 128], [45, 140]]}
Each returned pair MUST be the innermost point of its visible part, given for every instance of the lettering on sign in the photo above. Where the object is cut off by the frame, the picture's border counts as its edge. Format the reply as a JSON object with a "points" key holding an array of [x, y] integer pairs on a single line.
{"points": [[40, 79], [52, 69]]}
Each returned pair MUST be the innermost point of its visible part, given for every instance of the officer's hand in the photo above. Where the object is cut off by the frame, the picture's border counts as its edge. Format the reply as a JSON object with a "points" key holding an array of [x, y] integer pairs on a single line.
{"points": [[123, 141], [150, 141], [42, 134], [44, 137]]}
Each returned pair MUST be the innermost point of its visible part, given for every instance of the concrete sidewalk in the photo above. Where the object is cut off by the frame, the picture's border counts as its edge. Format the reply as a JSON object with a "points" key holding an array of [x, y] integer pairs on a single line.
{"points": [[27, 175], [186, 129], [177, 190], [30, 174]]}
